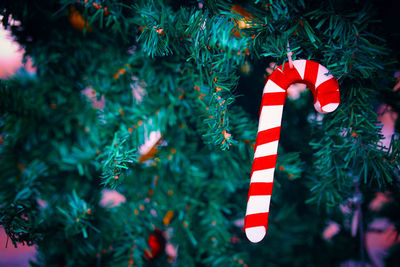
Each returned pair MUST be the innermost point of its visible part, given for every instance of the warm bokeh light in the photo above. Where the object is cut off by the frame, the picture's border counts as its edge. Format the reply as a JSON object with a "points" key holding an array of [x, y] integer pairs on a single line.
{"points": [[11, 55], [11, 256]]}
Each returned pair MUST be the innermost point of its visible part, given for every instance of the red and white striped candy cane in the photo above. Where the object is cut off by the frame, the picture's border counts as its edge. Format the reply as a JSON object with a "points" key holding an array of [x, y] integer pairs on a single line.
{"points": [[326, 94]]}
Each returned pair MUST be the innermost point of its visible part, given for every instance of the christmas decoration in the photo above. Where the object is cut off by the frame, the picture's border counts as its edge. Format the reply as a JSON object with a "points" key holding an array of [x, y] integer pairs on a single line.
{"points": [[138, 90], [171, 251], [381, 235], [331, 230], [111, 198], [156, 243], [168, 216], [245, 68], [294, 90], [242, 23], [388, 117], [105, 9], [326, 94], [149, 148], [92, 96], [77, 21], [120, 72], [380, 199]]}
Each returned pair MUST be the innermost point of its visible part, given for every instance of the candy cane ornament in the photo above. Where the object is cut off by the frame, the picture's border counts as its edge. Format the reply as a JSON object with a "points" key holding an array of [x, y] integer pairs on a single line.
{"points": [[326, 94]]}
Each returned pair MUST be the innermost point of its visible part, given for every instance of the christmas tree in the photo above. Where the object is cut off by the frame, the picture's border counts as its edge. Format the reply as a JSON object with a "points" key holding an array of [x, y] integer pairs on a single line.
{"points": [[156, 104]]}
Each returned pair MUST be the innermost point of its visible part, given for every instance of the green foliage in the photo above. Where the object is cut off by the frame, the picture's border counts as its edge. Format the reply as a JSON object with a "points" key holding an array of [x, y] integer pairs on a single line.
{"points": [[76, 216], [116, 160]]}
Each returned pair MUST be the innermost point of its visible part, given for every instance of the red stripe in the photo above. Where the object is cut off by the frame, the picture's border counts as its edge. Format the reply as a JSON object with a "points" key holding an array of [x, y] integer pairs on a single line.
{"points": [[273, 99], [267, 136], [263, 163], [258, 219], [279, 78], [329, 98], [311, 72], [328, 92], [260, 189], [330, 85], [292, 75]]}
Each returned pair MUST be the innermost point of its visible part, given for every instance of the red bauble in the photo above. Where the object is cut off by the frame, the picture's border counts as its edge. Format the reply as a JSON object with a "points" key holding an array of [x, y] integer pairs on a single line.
{"points": [[156, 243]]}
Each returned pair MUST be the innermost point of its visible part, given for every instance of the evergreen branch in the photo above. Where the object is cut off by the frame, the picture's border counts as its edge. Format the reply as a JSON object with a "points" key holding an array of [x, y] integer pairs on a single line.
{"points": [[116, 161]]}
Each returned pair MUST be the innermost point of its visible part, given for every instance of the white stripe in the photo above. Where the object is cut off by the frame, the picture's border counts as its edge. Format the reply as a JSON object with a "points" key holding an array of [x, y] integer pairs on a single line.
{"points": [[317, 107], [271, 87], [263, 176], [300, 66], [271, 116], [266, 149], [258, 204], [330, 107], [322, 77], [255, 234]]}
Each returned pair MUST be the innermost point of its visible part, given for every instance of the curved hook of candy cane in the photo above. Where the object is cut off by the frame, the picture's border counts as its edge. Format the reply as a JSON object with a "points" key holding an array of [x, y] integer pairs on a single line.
{"points": [[326, 94]]}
